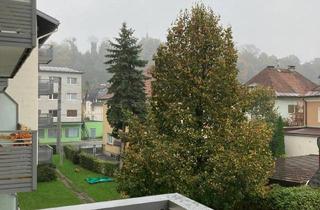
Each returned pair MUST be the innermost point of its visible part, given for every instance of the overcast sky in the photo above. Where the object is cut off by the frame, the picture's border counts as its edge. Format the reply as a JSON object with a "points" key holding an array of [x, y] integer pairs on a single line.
{"points": [[279, 27]]}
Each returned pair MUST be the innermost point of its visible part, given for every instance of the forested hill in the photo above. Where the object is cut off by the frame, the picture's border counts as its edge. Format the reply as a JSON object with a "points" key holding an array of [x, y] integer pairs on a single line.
{"points": [[250, 61]]}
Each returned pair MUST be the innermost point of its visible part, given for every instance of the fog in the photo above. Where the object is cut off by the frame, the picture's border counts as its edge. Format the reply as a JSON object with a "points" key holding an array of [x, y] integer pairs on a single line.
{"points": [[279, 27]]}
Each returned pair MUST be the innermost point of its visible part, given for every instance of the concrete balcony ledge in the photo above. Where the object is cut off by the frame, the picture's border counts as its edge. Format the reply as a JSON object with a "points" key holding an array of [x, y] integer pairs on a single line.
{"points": [[173, 201]]}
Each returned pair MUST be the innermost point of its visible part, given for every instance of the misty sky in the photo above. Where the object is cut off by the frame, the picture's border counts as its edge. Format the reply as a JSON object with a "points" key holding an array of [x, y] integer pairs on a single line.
{"points": [[279, 27]]}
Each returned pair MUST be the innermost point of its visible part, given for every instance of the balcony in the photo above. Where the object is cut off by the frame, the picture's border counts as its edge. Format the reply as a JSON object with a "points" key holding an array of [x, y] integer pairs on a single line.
{"points": [[18, 166], [17, 34], [3, 84], [173, 201], [45, 120], [46, 87], [45, 54]]}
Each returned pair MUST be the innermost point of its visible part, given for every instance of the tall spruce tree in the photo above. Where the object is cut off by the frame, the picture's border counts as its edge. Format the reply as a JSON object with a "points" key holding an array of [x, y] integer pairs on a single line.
{"points": [[127, 82], [277, 143], [197, 139]]}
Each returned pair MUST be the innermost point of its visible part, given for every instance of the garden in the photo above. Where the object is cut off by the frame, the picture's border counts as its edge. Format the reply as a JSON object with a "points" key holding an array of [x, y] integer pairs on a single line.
{"points": [[67, 185]]}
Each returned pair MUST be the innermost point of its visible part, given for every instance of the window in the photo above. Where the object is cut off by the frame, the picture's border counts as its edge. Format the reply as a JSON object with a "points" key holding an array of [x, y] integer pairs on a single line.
{"points": [[292, 109], [71, 113], [71, 132], [41, 133], [53, 112], [54, 96], [318, 114], [54, 79], [52, 133], [72, 96], [110, 139], [72, 80]]}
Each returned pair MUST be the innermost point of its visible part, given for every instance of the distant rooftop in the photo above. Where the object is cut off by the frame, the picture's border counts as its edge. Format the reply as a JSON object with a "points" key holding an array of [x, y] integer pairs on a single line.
{"points": [[295, 170], [58, 69], [285, 82]]}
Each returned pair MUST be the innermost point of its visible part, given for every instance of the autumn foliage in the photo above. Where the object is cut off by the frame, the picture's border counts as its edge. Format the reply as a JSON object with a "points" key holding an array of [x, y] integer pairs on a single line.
{"points": [[197, 139]]}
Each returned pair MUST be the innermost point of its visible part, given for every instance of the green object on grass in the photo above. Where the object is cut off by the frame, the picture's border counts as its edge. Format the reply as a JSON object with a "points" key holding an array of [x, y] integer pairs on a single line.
{"points": [[98, 180]]}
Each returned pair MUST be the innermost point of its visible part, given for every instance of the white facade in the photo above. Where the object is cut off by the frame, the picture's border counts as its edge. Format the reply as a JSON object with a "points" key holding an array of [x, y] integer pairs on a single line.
{"points": [[300, 145], [23, 90], [282, 105], [70, 96], [93, 111]]}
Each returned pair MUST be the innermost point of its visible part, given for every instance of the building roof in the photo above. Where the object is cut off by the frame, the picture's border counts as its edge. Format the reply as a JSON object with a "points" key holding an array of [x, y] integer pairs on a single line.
{"points": [[44, 68], [303, 132], [296, 170], [286, 82]]}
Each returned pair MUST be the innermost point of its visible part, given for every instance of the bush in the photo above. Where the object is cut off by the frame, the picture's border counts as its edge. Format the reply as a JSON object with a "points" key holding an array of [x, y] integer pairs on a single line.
{"points": [[72, 154], [94, 164], [285, 198], [46, 172], [293, 198]]}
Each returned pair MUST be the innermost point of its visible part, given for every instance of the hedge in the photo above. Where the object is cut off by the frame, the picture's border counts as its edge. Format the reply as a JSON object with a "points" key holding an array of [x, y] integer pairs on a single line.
{"points": [[285, 198], [293, 198], [72, 154], [46, 172], [90, 162], [94, 164]]}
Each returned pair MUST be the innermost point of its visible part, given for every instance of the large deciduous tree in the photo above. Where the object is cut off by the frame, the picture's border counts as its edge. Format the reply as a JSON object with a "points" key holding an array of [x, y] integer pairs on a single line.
{"points": [[197, 139], [127, 82]]}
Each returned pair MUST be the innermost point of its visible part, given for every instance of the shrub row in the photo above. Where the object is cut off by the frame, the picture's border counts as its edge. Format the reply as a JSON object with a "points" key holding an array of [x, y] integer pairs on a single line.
{"points": [[72, 154], [285, 198], [90, 162], [94, 164], [46, 172]]}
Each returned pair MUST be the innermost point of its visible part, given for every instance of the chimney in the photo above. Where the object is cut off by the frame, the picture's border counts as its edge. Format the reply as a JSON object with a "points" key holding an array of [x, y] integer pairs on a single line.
{"points": [[292, 68]]}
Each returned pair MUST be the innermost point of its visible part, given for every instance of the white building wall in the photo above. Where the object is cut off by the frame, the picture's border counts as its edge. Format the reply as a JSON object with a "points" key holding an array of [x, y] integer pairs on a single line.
{"points": [[23, 89], [93, 111], [282, 105], [300, 145], [46, 104]]}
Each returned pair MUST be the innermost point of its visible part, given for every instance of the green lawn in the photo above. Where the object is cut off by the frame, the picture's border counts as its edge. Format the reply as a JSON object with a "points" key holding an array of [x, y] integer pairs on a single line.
{"points": [[99, 192], [48, 195]]}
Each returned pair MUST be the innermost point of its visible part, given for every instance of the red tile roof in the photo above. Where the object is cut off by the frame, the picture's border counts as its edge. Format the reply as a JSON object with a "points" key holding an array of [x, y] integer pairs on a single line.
{"points": [[285, 82]]}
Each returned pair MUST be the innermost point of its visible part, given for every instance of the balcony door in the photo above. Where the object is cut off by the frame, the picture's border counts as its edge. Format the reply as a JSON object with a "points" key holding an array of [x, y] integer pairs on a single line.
{"points": [[8, 113]]}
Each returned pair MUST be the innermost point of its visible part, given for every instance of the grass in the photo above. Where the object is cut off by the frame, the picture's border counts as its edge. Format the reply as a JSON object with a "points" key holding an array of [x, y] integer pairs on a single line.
{"points": [[48, 195], [99, 192]]}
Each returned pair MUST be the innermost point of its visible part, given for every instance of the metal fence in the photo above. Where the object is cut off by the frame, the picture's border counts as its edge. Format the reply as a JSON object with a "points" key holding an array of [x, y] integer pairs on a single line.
{"points": [[45, 154]]}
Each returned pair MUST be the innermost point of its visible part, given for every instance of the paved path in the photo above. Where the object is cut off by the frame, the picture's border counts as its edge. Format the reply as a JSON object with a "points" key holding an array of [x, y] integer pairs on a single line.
{"points": [[84, 197]]}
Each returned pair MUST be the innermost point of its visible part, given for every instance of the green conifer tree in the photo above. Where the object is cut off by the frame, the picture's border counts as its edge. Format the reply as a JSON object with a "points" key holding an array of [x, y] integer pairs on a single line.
{"points": [[127, 82], [277, 143]]}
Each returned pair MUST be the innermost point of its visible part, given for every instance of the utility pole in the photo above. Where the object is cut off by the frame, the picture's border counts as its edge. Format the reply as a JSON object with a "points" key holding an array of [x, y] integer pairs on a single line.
{"points": [[59, 143]]}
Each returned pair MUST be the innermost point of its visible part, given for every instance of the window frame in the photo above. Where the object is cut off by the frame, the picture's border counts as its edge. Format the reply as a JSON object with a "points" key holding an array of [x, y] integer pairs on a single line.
{"points": [[67, 134], [70, 110], [69, 96], [71, 79]]}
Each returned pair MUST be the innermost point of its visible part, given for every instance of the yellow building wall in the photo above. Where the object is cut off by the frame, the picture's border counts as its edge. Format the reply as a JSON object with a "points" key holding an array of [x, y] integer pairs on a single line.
{"points": [[313, 113], [23, 88]]}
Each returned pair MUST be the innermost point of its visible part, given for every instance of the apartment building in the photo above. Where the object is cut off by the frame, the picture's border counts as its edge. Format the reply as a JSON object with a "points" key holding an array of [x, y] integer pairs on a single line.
{"points": [[20, 39], [71, 102]]}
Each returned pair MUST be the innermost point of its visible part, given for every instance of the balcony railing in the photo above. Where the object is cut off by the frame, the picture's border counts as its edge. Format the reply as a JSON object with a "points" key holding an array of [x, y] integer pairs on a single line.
{"points": [[45, 121], [173, 201], [45, 54], [18, 23], [46, 87], [18, 166]]}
